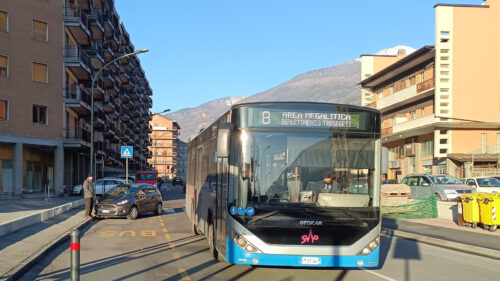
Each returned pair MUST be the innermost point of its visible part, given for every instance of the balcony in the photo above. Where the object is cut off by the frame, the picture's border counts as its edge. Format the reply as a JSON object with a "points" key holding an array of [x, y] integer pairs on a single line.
{"points": [[109, 26], [76, 137], [77, 99], [123, 76], [98, 4], [108, 106], [406, 129], [76, 23], [124, 97], [78, 62], [406, 96], [98, 89], [108, 52], [96, 24], [99, 118], [107, 78], [96, 55]]}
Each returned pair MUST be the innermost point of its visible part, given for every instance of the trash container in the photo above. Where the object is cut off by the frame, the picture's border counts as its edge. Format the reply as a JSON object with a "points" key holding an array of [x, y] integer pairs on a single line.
{"points": [[489, 205], [470, 209]]}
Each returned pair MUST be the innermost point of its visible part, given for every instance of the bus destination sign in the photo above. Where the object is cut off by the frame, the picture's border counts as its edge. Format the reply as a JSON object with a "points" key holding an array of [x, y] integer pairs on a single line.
{"points": [[305, 119]]}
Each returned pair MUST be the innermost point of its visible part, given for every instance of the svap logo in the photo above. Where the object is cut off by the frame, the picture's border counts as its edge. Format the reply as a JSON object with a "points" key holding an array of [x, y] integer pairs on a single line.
{"points": [[309, 238]]}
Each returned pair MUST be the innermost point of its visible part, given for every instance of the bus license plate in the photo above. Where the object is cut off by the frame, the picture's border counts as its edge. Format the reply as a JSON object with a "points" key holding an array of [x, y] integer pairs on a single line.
{"points": [[311, 260]]}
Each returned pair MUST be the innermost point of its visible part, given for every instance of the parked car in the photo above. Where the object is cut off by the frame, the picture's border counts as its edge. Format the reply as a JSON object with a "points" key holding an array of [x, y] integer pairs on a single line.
{"points": [[389, 182], [101, 186], [177, 181], [484, 184], [445, 187], [129, 200]]}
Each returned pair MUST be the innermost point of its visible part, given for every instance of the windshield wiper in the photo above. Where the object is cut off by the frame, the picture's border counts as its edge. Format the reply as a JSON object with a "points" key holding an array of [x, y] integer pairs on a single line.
{"points": [[259, 218]]}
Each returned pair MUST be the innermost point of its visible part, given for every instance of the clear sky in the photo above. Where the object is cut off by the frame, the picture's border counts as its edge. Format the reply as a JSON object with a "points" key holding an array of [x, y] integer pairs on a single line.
{"points": [[208, 49]]}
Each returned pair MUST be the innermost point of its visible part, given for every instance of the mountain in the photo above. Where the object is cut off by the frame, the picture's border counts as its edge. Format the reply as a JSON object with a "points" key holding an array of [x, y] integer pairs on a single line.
{"points": [[192, 120], [335, 84]]}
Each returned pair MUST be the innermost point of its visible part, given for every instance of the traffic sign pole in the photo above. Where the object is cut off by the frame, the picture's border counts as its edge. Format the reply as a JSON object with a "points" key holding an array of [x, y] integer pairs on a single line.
{"points": [[126, 170]]}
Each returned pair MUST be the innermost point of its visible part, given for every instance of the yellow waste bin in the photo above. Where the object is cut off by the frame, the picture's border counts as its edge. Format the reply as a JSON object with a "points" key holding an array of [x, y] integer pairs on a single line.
{"points": [[470, 209], [489, 206]]}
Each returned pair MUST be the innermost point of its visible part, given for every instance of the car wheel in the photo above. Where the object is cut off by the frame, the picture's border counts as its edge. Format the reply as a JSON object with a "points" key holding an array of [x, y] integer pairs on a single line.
{"points": [[133, 214], [211, 244], [493, 228], [159, 209]]}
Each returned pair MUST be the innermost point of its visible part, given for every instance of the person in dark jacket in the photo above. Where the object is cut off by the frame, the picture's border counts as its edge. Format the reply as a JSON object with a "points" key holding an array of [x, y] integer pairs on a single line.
{"points": [[88, 194]]}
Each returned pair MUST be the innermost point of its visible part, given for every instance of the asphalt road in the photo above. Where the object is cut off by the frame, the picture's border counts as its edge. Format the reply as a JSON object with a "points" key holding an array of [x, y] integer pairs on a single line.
{"points": [[163, 248]]}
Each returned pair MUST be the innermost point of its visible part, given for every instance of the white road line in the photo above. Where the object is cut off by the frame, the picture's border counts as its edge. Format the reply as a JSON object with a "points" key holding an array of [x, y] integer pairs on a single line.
{"points": [[378, 274]]}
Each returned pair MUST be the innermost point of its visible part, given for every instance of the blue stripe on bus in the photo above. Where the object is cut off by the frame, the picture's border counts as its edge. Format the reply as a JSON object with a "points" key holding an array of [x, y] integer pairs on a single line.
{"points": [[236, 255]]}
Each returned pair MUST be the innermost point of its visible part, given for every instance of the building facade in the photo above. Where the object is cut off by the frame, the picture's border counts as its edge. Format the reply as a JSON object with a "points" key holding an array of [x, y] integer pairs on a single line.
{"points": [[164, 146], [440, 111], [49, 53]]}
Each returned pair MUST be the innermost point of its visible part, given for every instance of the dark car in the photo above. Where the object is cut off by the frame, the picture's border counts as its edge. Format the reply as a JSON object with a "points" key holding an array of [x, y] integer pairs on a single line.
{"points": [[129, 200], [177, 181]]}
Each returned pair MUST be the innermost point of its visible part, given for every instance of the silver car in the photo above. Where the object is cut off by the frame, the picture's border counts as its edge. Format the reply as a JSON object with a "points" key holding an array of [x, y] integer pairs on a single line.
{"points": [[445, 187]]}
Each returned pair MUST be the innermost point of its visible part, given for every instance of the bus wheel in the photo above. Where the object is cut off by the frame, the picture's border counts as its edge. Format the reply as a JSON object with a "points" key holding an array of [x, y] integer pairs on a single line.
{"points": [[211, 244]]}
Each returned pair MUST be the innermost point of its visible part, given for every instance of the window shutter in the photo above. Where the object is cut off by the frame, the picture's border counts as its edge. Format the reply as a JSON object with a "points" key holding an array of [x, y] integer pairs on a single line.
{"points": [[39, 72], [39, 30]]}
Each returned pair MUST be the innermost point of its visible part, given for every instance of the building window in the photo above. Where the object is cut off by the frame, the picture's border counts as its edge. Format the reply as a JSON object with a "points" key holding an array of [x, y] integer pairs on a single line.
{"points": [[413, 115], [483, 143], [4, 110], [4, 21], [498, 144], [427, 148], [39, 114], [39, 72], [4, 63], [40, 30]]}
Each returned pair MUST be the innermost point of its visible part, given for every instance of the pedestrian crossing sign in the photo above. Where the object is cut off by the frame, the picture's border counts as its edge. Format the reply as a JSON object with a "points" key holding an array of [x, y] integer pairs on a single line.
{"points": [[127, 151]]}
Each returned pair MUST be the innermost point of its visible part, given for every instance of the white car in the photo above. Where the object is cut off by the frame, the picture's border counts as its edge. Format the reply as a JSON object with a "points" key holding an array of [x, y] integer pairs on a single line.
{"points": [[484, 184], [102, 185]]}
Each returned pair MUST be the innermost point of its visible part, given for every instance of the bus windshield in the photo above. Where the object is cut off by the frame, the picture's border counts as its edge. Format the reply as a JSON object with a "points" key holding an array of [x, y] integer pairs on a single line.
{"points": [[322, 169]]}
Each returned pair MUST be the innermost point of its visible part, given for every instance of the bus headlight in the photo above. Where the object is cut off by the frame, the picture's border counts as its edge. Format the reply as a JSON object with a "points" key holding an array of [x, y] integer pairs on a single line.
{"points": [[371, 246], [244, 244]]}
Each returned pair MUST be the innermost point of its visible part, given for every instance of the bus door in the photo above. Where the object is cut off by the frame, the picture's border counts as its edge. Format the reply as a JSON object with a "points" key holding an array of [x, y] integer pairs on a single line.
{"points": [[221, 195]]}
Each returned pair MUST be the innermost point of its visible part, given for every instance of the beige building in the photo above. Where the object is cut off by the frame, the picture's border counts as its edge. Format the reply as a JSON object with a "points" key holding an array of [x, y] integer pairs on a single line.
{"points": [[164, 147], [49, 52], [440, 109]]}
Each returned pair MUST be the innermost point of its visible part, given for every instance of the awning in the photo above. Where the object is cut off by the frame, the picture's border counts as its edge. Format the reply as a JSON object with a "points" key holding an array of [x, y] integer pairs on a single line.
{"points": [[467, 157]]}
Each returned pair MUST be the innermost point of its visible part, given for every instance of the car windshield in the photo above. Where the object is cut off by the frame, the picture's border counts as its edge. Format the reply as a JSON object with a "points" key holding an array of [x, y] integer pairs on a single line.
{"points": [[324, 169], [145, 177], [444, 180], [120, 190], [488, 182]]}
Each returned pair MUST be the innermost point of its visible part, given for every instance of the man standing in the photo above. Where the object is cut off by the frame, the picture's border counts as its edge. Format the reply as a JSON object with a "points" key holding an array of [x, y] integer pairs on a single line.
{"points": [[88, 194]]}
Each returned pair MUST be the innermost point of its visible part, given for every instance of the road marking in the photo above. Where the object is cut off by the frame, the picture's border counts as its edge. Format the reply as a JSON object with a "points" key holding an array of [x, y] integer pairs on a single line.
{"points": [[176, 256], [184, 274], [171, 245], [165, 230], [167, 236], [132, 233], [162, 224], [378, 274]]}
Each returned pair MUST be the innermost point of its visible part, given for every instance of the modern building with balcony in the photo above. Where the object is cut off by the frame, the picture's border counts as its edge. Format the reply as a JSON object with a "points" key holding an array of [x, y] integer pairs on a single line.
{"points": [[440, 111], [44, 137], [164, 146]]}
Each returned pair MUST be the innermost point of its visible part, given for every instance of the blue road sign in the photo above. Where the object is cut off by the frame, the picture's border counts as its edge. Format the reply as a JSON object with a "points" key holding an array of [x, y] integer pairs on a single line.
{"points": [[234, 210], [241, 211], [127, 151], [250, 211]]}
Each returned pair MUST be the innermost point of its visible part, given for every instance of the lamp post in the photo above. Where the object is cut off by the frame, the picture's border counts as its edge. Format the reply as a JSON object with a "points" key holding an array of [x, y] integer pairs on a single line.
{"points": [[92, 104]]}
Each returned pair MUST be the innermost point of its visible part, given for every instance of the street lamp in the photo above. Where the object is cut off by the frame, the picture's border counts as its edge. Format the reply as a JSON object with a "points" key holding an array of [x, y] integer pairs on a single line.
{"points": [[92, 104]]}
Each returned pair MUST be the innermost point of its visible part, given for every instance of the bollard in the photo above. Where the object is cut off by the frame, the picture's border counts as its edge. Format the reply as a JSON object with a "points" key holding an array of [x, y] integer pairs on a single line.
{"points": [[460, 216], [75, 255]]}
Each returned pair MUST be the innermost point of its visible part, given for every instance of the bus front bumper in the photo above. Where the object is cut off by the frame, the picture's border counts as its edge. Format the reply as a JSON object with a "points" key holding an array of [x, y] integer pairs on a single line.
{"points": [[236, 255]]}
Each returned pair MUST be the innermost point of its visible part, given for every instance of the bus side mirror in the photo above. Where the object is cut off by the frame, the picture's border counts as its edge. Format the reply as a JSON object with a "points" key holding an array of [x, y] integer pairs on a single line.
{"points": [[385, 161], [223, 139]]}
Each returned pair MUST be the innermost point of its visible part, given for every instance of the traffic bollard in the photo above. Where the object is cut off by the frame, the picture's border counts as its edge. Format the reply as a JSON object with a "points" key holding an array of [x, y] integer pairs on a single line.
{"points": [[75, 255]]}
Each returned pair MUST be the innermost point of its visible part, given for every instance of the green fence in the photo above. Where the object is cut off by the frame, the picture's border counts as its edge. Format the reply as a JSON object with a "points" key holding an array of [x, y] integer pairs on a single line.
{"points": [[424, 206]]}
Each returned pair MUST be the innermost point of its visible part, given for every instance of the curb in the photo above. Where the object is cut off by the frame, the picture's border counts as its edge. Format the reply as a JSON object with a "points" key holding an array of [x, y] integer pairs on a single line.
{"points": [[43, 215], [479, 251], [26, 265]]}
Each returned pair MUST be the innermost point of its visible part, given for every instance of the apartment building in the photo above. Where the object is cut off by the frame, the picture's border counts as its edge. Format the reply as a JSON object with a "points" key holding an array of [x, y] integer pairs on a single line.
{"points": [[164, 147], [49, 54], [440, 109]]}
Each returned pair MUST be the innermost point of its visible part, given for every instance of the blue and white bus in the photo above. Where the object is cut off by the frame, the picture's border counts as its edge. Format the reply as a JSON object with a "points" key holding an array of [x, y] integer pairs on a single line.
{"points": [[288, 184]]}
